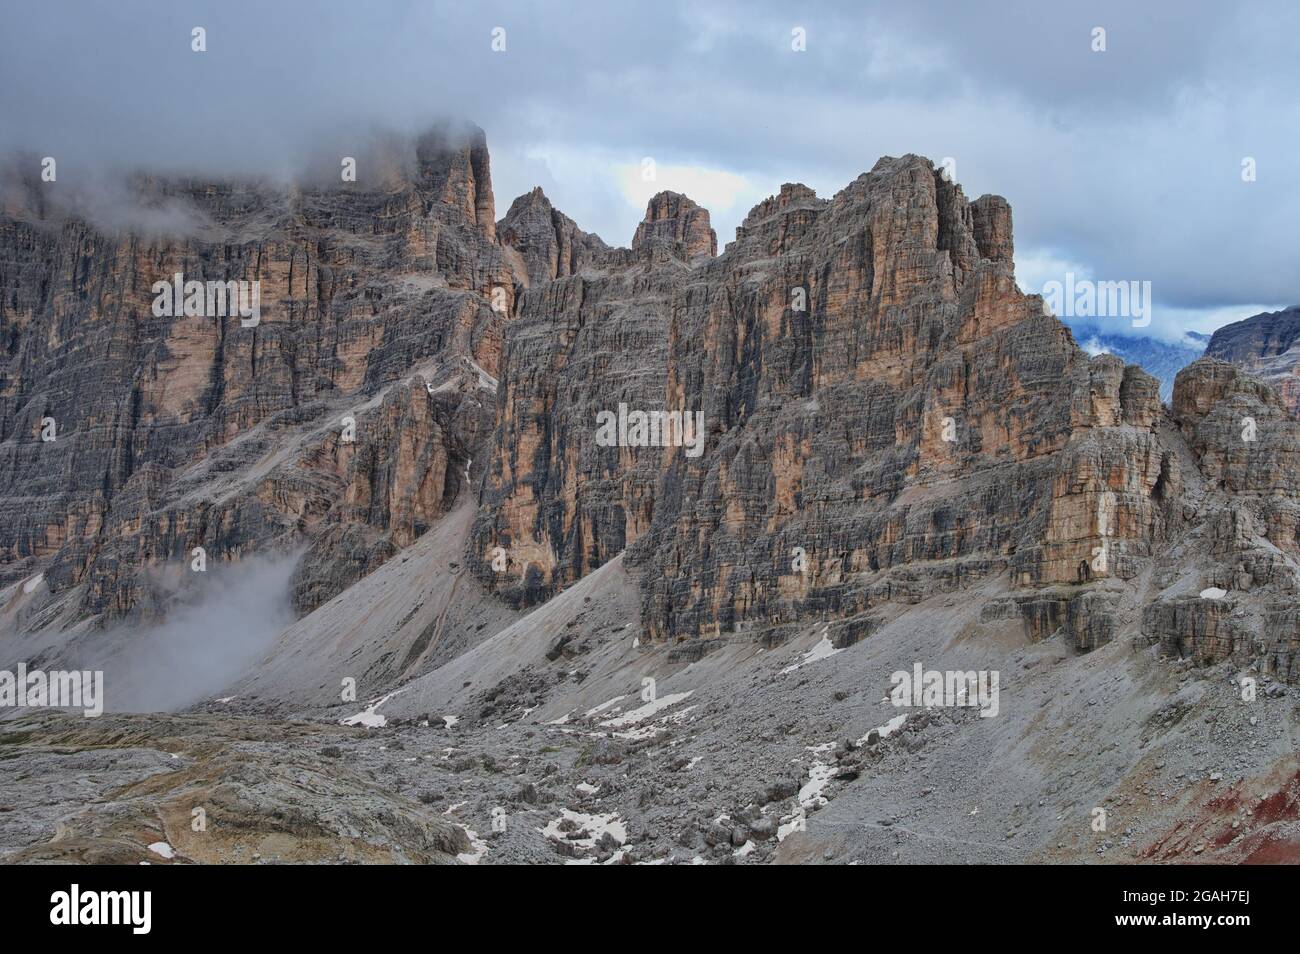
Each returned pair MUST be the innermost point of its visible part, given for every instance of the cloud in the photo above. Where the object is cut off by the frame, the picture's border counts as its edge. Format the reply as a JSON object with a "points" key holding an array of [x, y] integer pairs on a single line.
{"points": [[1127, 161], [234, 614]]}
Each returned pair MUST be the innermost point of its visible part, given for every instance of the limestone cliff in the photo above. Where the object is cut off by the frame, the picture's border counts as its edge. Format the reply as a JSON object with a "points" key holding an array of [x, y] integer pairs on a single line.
{"points": [[886, 416], [164, 434], [853, 406]]}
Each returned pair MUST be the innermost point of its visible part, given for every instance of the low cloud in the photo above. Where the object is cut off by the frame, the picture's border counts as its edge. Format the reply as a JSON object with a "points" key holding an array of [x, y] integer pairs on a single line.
{"points": [[233, 616]]}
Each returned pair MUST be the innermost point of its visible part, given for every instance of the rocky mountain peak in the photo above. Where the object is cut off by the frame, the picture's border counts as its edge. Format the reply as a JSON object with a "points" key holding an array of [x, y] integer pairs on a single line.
{"points": [[549, 243], [991, 216], [453, 163], [791, 194], [674, 218]]}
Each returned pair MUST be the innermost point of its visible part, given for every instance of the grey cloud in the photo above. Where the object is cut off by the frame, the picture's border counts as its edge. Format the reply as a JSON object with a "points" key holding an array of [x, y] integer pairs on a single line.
{"points": [[1127, 161]]}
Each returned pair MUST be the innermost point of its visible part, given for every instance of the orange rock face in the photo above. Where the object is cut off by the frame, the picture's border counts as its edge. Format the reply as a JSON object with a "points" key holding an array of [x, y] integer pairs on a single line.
{"points": [[177, 432], [887, 416], [854, 404]]}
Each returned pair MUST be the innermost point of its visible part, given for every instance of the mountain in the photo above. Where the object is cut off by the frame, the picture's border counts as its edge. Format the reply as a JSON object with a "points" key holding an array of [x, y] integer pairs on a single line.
{"points": [[626, 554], [1267, 345], [176, 433], [1161, 359]]}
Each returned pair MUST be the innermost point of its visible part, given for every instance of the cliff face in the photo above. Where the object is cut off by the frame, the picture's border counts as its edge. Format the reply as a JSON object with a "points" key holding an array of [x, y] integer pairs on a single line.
{"points": [[1267, 345], [559, 502], [854, 406], [547, 243], [875, 393], [920, 424], [179, 432], [885, 417]]}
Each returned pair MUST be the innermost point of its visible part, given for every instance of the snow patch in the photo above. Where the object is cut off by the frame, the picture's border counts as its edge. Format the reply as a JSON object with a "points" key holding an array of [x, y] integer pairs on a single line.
{"points": [[603, 706], [370, 717], [586, 829], [477, 848], [652, 708], [824, 649]]}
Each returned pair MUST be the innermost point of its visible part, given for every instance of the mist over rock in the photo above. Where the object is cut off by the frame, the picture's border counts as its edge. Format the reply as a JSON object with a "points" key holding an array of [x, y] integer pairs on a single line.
{"points": [[174, 433]]}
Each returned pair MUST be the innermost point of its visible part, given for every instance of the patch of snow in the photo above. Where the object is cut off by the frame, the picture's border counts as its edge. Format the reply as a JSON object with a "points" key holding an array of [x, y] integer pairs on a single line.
{"points": [[644, 712], [652, 729], [34, 582], [587, 788], [477, 848], [888, 729], [448, 385], [821, 773], [370, 717], [449, 721], [162, 849], [602, 707], [819, 776], [589, 828], [824, 649], [1213, 593], [789, 825]]}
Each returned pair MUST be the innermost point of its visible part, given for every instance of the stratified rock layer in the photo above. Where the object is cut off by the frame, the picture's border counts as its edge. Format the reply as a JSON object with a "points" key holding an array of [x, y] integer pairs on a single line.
{"points": [[886, 416], [173, 433]]}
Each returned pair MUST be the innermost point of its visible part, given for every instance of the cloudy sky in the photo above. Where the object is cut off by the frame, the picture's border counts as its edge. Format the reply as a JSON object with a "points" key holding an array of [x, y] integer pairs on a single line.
{"points": [[1120, 165]]}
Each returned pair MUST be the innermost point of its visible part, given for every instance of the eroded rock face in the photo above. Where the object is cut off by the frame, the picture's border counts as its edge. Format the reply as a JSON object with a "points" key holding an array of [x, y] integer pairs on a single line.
{"points": [[917, 425], [674, 219], [886, 416], [883, 415], [549, 243], [1246, 445], [558, 501], [173, 433]]}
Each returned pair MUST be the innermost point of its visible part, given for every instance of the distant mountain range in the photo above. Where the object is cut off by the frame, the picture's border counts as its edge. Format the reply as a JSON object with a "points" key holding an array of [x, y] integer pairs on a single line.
{"points": [[1159, 358], [1267, 345]]}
